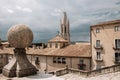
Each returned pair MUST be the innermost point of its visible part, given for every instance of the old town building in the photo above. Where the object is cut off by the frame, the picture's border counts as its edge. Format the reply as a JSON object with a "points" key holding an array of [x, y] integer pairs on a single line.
{"points": [[105, 44], [59, 52]]}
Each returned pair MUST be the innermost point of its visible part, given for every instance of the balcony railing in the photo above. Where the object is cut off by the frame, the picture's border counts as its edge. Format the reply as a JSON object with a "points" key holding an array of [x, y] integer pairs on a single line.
{"points": [[97, 59], [98, 47]]}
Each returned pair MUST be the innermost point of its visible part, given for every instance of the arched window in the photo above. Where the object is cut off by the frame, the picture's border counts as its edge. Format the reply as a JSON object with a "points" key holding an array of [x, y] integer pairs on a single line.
{"points": [[65, 29], [37, 61], [64, 60], [61, 29]]}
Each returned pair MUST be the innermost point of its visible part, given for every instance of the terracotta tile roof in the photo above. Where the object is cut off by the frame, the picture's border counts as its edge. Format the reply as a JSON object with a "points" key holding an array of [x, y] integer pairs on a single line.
{"points": [[76, 50], [73, 50], [107, 23], [58, 38], [6, 50]]}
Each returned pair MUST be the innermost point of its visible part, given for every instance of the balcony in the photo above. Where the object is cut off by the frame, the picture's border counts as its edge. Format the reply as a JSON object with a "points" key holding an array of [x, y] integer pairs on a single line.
{"points": [[99, 60], [81, 66], [98, 47]]}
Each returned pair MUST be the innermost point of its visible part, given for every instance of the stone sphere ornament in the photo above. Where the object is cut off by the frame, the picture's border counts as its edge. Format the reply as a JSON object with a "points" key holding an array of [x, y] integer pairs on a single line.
{"points": [[20, 36]]}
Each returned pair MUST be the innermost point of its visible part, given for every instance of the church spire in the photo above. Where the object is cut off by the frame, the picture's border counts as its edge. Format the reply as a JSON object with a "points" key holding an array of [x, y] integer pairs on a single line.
{"points": [[64, 18], [65, 27]]}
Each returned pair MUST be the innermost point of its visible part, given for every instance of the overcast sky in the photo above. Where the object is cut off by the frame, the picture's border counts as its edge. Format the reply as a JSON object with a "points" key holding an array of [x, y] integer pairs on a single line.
{"points": [[43, 16]]}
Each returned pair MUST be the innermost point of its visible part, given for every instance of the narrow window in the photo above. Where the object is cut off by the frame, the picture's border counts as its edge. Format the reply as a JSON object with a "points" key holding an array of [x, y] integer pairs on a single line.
{"points": [[97, 30], [54, 59], [59, 60], [61, 29], [37, 61], [117, 43], [99, 56], [63, 60], [81, 65], [81, 62], [117, 57], [97, 43], [65, 29]]}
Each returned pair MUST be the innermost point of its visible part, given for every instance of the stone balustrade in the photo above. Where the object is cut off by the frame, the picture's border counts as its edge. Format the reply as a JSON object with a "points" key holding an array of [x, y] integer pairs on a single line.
{"points": [[101, 71]]}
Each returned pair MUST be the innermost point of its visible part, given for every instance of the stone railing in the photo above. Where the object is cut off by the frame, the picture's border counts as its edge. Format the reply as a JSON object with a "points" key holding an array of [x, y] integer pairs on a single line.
{"points": [[59, 72], [104, 70], [76, 71], [101, 71]]}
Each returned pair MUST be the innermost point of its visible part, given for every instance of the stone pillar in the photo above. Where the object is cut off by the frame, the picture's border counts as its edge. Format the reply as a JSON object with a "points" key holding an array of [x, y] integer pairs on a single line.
{"points": [[19, 65], [19, 36]]}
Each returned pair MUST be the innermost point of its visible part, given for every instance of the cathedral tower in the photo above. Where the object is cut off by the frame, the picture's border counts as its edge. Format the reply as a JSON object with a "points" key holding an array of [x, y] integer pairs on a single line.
{"points": [[65, 32]]}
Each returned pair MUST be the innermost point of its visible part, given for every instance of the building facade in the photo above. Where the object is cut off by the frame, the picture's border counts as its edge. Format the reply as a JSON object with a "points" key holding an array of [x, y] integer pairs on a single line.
{"points": [[75, 56], [105, 44], [59, 53]]}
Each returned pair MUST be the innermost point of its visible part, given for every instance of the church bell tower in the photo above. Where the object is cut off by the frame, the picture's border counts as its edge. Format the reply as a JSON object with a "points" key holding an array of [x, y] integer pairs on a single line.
{"points": [[65, 32]]}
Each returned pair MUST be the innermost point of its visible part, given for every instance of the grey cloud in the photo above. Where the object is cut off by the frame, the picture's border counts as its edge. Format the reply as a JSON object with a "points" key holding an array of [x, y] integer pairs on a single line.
{"points": [[43, 16], [117, 3]]}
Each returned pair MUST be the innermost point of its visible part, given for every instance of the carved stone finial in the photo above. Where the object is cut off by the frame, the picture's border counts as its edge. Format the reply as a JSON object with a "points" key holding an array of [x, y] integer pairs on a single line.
{"points": [[20, 36]]}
